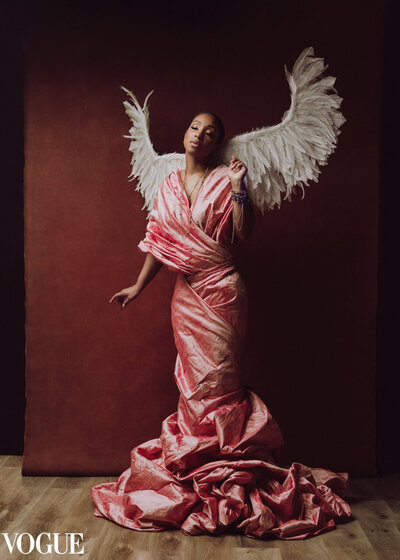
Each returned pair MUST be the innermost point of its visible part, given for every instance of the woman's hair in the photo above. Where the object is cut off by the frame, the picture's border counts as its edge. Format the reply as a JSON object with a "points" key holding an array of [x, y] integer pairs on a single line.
{"points": [[218, 121]]}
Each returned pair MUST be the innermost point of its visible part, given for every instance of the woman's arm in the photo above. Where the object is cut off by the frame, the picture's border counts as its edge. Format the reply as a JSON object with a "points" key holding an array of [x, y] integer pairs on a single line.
{"points": [[149, 269], [243, 215]]}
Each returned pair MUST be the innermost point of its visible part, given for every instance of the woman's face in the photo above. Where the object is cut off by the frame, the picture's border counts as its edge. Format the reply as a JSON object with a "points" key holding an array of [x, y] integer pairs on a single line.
{"points": [[201, 136]]}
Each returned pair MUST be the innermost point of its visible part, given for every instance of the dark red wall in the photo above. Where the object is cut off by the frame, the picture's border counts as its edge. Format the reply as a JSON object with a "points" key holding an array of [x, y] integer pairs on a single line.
{"points": [[99, 381]]}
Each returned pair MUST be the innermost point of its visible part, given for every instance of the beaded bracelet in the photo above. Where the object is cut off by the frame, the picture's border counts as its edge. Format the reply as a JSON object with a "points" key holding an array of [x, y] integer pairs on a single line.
{"points": [[239, 196]]}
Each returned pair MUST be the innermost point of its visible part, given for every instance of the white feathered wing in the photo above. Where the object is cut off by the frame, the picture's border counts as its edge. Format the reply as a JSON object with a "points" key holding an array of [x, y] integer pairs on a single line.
{"points": [[277, 157], [290, 153], [148, 167]]}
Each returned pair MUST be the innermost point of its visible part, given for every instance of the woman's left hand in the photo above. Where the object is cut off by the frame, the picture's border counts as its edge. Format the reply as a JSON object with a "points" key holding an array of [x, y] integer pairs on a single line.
{"points": [[237, 171]]}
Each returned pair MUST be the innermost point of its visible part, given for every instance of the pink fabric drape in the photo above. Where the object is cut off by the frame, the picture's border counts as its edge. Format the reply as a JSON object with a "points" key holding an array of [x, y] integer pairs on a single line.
{"points": [[214, 465]]}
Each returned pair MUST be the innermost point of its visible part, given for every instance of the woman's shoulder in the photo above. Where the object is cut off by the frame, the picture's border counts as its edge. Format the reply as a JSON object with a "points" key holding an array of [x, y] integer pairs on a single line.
{"points": [[174, 175], [220, 172], [172, 181]]}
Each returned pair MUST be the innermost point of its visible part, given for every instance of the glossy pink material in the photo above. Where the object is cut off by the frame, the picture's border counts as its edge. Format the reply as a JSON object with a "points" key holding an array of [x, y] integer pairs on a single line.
{"points": [[213, 466]]}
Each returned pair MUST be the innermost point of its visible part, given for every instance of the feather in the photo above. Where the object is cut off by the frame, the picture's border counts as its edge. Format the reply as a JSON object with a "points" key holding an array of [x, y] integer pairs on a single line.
{"points": [[148, 167], [290, 154]]}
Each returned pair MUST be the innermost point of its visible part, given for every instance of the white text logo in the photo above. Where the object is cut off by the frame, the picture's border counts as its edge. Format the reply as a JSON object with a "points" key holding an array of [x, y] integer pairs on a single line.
{"points": [[45, 543]]}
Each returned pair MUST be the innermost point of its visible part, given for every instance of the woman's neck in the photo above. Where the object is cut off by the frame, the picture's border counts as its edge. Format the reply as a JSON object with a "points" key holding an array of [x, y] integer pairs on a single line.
{"points": [[195, 167]]}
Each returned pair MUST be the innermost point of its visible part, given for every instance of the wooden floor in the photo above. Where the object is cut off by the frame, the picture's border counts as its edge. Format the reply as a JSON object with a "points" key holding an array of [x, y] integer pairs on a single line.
{"points": [[63, 504]]}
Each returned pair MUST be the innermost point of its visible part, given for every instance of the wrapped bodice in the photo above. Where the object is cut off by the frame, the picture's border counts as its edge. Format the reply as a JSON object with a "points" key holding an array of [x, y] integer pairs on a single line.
{"points": [[191, 240]]}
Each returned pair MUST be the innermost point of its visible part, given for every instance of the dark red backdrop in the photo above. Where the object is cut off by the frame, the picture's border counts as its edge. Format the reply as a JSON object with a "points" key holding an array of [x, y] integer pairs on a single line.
{"points": [[99, 381]]}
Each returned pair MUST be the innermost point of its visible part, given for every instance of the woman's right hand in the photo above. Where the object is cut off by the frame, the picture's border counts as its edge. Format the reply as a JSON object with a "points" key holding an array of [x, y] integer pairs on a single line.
{"points": [[126, 295]]}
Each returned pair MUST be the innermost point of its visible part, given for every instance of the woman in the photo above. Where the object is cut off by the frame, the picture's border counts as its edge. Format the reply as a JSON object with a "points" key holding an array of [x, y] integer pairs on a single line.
{"points": [[213, 466]]}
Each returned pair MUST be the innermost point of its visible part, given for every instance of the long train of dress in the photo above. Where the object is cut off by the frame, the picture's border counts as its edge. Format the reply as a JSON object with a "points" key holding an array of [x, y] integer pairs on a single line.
{"points": [[213, 468]]}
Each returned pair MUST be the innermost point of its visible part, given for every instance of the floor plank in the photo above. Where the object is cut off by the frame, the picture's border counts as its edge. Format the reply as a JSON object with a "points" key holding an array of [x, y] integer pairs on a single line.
{"points": [[256, 554], [350, 540], [64, 505], [388, 487], [378, 523], [3, 459]]}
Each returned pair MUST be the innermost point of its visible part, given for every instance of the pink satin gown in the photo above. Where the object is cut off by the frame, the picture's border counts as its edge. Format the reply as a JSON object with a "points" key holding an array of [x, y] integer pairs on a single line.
{"points": [[213, 467]]}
